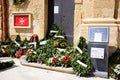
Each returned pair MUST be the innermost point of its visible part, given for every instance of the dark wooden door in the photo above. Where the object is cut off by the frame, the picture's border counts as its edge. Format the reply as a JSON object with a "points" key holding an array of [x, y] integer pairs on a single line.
{"points": [[63, 16]]}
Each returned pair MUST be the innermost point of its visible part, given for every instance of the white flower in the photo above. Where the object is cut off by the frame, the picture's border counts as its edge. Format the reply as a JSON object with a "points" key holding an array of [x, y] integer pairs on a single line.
{"points": [[3, 50], [118, 66], [117, 69], [50, 60], [34, 52]]}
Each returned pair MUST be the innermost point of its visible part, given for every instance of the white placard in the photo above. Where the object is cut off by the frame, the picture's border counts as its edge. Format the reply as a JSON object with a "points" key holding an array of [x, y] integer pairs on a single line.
{"points": [[60, 49], [17, 43], [33, 43], [97, 53], [81, 63], [5, 46], [98, 37], [43, 42], [56, 9], [53, 31], [79, 49], [23, 47], [59, 36]]}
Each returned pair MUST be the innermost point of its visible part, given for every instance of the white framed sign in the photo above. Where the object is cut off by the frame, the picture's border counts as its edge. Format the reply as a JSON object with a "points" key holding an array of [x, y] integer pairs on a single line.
{"points": [[98, 34], [97, 53]]}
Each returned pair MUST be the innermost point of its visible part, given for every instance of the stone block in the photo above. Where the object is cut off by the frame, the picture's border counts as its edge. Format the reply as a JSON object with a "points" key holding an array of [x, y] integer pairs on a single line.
{"points": [[104, 3], [78, 1]]}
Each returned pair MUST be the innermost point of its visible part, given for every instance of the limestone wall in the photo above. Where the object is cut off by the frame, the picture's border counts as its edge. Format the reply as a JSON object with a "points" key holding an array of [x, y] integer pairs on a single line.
{"points": [[38, 10], [97, 13]]}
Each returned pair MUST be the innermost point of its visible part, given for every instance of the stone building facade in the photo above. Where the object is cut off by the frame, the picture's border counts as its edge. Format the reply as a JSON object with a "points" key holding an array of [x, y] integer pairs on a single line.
{"points": [[99, 13], [102, 13]]}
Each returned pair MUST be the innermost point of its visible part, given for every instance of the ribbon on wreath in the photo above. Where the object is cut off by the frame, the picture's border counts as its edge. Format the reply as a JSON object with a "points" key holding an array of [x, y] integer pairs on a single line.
{"points": [[33, 38]]}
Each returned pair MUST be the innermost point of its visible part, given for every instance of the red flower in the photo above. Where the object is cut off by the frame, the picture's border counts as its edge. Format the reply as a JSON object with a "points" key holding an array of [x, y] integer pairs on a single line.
{"points": [[66, 59], [55, 60], [19, 53], [29, 51]]}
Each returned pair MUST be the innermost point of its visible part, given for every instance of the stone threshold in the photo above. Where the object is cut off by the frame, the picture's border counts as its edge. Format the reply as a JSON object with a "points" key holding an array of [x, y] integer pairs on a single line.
{"points": [[43, 66]]}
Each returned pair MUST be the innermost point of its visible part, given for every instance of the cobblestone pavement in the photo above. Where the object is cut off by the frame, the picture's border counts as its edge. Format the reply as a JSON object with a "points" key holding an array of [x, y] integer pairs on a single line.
{"points": [[20, 72]]}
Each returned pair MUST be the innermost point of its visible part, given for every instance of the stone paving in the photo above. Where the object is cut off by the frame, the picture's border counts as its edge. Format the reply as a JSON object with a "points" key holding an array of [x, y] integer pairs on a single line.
{"points": [[20, 72]]}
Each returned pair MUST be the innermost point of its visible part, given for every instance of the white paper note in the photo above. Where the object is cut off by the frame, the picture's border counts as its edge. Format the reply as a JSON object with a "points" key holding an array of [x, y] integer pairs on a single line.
{"points": [[98, 37], [56, 9], [97, 53]]}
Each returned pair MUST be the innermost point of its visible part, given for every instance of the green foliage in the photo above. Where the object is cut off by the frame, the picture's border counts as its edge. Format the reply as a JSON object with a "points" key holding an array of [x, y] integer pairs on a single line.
{"points": [[56, 28], [115, 57], [82, 43], [45, 51], [114, 60], [18, 38], [4, 52], [60, 42], [4, 65], [6, 42], [32, 57], [79, 69], [83, 57], [24, 43], [13, 48], [16, 2]]}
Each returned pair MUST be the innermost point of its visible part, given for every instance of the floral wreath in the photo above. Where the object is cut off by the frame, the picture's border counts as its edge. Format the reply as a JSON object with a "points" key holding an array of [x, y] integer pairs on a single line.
{"points": [[81, 64]]}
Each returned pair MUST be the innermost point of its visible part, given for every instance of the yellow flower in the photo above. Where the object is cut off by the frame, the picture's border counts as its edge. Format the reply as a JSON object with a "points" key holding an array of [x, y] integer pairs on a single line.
{"points": [[56, 43]]}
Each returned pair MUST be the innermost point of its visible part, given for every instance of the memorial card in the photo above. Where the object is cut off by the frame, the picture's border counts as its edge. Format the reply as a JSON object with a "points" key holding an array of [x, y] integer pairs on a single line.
{"points": [[97, 53]]}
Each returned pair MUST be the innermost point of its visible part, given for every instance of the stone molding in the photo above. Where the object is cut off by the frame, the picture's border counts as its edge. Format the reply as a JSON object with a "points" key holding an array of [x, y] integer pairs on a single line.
{"points": [[101, 22]]}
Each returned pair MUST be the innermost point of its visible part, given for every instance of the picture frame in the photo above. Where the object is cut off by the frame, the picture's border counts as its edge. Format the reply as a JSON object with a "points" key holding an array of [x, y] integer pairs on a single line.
{"points": [[22, 20]]}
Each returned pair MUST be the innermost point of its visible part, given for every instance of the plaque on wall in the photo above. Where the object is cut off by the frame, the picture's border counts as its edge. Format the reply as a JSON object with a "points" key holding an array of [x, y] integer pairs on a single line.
{"points": [[22, 20], [98, 34]]}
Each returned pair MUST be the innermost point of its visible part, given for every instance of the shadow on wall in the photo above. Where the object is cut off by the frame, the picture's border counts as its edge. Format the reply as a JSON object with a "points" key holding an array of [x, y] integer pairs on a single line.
{"points": [[119, 37], [117, 4], [24, 30], [116, 9], [112, 49]]}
